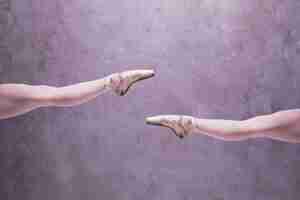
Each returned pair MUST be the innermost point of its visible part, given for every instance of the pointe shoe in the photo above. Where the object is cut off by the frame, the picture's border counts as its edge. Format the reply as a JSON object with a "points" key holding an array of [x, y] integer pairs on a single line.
{"points": [[122, 82], [180, 125]]}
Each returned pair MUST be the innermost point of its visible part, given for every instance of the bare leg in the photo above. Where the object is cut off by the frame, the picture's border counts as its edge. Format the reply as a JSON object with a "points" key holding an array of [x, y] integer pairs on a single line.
{"points": [[17, 99], [280, 126]]}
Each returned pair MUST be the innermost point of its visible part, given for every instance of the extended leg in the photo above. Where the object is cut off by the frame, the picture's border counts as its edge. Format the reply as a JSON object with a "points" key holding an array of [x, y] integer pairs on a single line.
{"points": [[16, 99], [280, 126]]}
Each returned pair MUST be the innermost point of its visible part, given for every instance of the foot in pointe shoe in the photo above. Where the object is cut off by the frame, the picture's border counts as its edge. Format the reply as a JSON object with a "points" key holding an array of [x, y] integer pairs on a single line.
{"points": [[180, 125], [122, 82]]}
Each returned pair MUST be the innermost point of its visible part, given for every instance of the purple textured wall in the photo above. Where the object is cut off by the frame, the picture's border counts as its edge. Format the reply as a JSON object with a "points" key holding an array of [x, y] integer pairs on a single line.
{"points": [[222, 59]]}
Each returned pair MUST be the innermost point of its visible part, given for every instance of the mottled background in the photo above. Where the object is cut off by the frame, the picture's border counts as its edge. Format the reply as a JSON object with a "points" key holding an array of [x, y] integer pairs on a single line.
{"points": [[219, 59]]}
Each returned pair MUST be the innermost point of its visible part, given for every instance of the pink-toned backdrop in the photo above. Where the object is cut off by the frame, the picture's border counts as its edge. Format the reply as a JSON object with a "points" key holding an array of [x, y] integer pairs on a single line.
{"points": [[219, 59]]}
